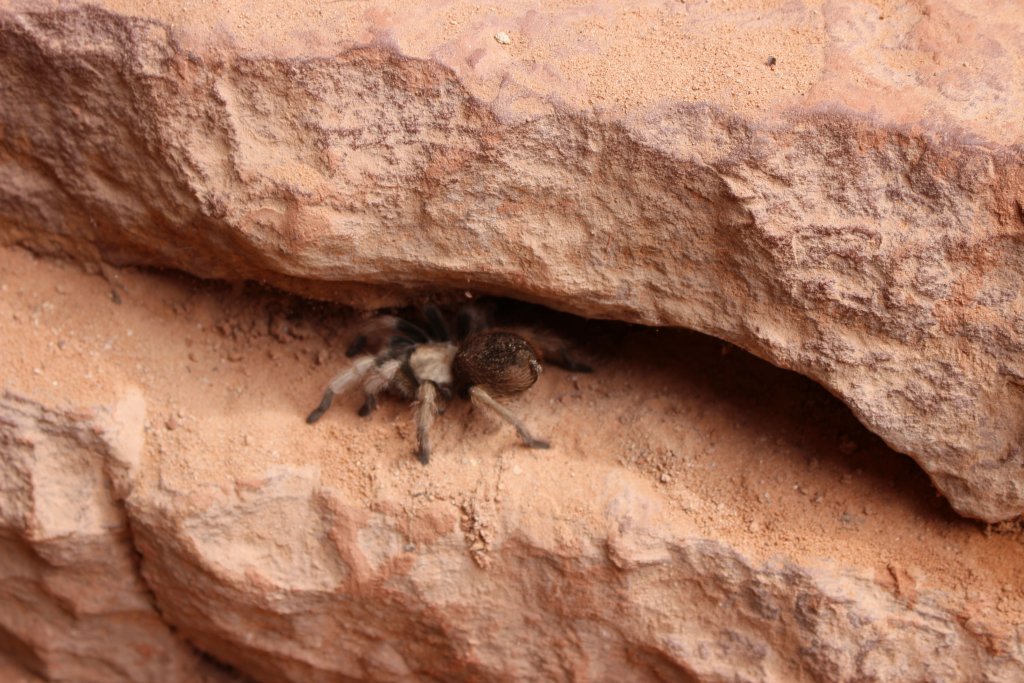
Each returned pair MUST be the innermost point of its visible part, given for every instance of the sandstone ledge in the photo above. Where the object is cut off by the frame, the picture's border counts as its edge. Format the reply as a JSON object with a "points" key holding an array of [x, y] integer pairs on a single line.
{"points": [[286, 580], [703, 516], [863, 230]]}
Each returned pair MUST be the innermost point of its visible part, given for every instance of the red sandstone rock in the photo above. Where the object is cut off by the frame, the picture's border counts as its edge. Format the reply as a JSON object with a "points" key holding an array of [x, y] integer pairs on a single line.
{"points": [[700, 515], [852, 212], [72, 604], [832, 187]]}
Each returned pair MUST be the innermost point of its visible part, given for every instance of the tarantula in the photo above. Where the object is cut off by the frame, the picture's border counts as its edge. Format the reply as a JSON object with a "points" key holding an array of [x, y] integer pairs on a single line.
{"points": [[429, 365]]}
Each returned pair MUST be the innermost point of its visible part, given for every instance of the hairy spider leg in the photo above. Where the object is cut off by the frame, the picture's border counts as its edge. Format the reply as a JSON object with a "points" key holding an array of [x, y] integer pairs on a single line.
{"points": [[339, 384], [412, 331], [399, 343], [426, 411], [468, 320], [552, 349], [377, 381], [437, 324], [480, 397], [357, 346], [378, 327]]}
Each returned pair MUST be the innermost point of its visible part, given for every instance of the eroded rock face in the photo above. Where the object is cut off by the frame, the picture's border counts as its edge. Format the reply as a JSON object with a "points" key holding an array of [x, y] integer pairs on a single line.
{"points": [[476, 593], [829, 213], [72, 605], [287, 579], [702, 516]]}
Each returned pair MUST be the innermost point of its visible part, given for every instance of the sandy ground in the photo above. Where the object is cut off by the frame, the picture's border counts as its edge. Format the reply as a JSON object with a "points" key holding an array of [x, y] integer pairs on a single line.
{"points": [[736, 449]]}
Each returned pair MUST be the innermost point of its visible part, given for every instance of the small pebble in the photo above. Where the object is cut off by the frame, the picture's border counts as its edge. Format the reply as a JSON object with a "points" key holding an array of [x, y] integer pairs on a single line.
{"points": [[171, 423], [503, 38], [665, 477]]}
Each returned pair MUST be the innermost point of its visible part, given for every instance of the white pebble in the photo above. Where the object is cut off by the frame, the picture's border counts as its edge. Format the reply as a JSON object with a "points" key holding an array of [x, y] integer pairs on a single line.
{"points": [[502, 38]]}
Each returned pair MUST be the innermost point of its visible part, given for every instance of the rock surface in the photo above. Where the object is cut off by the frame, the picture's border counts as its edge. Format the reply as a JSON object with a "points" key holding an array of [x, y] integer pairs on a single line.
{"points": [[700, 516], [825, 184], [72, 604]]}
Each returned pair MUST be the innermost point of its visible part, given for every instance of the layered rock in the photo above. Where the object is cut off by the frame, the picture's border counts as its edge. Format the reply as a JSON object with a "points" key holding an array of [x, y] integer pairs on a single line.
{"points": [[478, 593], [825, 185], [700, 517], [288, 580], [72, 604]]}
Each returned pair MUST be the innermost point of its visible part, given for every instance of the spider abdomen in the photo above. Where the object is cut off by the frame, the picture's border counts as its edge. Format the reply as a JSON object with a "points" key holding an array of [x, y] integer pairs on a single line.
{"points": [[502, 362]]}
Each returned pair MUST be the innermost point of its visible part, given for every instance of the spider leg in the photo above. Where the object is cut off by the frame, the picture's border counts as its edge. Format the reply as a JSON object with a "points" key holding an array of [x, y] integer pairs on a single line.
{"points": [[480, 397], [552, 349], [412, 331], [437, 324], [468, 320], [369, 405], [426, 411], [339, 384], [374, 333], [357, 346], [564, 361], [370, 332], [377, 380]]}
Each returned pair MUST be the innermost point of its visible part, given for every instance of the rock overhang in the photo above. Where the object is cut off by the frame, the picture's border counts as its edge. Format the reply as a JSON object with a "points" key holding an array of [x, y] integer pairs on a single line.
{"points": [[826, 212]]}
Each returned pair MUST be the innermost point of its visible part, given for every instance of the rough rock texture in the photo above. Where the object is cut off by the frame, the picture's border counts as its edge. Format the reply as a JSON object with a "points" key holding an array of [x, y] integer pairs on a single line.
{"points": [[700, 516], [72, 605], [829, 185], [289, 581], [627, 599]]}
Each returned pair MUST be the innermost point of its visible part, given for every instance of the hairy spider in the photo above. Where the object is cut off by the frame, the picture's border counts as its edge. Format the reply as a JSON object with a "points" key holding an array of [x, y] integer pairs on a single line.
{"points": [[429, 365]]}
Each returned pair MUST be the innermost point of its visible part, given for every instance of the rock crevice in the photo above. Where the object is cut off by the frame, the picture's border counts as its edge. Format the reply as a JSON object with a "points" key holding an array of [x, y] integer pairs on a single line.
{"points": [[879, 257], [700, 515]]}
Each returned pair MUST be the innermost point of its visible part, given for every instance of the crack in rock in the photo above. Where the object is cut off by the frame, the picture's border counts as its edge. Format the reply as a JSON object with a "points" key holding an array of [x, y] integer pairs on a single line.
{"points": [[874, 257]]}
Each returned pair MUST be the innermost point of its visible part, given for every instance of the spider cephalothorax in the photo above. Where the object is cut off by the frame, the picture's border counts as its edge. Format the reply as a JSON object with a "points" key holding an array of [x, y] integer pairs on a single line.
{"points": [[429, 365]]}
